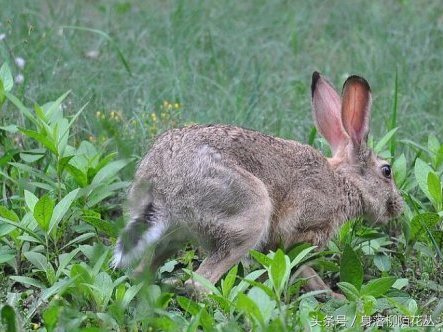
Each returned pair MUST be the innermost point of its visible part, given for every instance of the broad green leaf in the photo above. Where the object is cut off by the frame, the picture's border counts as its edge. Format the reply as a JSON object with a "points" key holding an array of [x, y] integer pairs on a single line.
{"points": [[130, 293], [228, 282], [382, 262], [369, 305], [28, 281], [377, 287], [30, 158], [301, 256], [63, 261], [62, 208], [434, 187], [8, 319], [104, 285], [6, 254], [351, 269], [279, 271], [399, 169], [421, 170], [265, 304], [52, 109], [400, 283], [80, 178], [80, 238], [433, 143], [246, 305], [6, 77], [30, 200], [51, 316], [264, 260], [244, 284], [8, 214], [421, 223], [58, 288], [37, 259], [44, 140], [43, 211], [109, 171], [349, 290]]}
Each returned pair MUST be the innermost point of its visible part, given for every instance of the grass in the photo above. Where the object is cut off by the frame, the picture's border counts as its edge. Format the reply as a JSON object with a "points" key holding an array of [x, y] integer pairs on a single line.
{"points": [[248, 63], [140, 67]]}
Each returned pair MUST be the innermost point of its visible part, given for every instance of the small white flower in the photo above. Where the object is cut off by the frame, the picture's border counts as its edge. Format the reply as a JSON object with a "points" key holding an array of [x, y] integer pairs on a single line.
{"points": [[19, 79], [2, 36], [20, 62]]}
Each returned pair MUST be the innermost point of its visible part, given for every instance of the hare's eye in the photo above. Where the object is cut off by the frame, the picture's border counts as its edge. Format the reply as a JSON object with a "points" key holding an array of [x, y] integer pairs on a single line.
{"points": [[386, 170]]}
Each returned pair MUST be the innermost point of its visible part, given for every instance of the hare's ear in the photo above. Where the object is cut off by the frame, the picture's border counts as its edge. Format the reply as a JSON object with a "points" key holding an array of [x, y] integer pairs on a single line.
{"points": [[326, 105], [356, 109]]}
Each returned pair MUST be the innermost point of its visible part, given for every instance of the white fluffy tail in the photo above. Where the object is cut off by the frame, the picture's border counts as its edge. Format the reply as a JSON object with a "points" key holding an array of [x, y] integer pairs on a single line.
{"points": [[144, 229]]}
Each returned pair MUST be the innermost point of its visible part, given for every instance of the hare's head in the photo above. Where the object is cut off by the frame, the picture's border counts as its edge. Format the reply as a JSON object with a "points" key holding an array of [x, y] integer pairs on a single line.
{"points": [[344, 122]]}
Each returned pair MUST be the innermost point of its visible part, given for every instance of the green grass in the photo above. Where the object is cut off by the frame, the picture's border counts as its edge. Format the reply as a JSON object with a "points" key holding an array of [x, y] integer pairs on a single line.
{"points": [[162, 64], [246, 63]]}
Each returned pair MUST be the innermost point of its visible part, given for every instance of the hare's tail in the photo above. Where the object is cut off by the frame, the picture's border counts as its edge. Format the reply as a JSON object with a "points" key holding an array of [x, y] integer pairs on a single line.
{"points": [[144, 229]]}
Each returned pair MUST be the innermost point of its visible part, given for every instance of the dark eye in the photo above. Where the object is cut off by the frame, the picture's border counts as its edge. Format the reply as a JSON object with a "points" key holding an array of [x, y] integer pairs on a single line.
{"points": [[386, 171]]}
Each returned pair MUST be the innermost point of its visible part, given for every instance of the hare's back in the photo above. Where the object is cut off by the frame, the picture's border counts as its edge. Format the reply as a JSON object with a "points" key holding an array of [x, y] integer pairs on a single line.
{"points": [[191, 153]]}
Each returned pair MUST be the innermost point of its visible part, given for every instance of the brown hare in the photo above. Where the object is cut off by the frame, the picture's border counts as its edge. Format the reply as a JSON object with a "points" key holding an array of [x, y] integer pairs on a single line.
{"points": [[232, 189]]}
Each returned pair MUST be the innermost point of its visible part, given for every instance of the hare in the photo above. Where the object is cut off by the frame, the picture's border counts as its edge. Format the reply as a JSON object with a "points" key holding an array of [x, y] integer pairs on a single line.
{"points": [[232, 189]]}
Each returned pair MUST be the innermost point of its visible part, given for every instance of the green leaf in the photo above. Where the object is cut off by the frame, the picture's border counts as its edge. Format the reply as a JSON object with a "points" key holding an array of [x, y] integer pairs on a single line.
{"points": [[195, 309], [6, 77], [377, 287], [351, 269], [228, 282], [203, 281], [434, 187], [43, 212], [109, 171], [421, 170], [384, 140], [263, 301], [400, 283], [37, 259], [244, 284], [301, 256], [6, 254], [63, 260], [52, 109], [41, 138], [28, 281], [8, 214], [279, 271], [246, 305], [382, 262], [421, 224], [30, 200], [9, 319], [349, 290], [62, 208], [80, 178], [130, 293], [261, 258], [400, 170]]}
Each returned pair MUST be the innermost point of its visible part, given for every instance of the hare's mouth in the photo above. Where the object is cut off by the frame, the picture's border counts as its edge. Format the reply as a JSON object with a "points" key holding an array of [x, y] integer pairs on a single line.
{"points": [[394, 208]]}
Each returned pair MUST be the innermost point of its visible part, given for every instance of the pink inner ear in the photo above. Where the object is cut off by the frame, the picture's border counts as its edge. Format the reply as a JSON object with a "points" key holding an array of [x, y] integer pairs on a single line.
{"points": [[356, 109], [326, 109]]}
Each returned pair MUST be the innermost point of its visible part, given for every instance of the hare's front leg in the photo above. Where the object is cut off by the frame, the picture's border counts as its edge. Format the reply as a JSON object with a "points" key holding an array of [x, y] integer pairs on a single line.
{"points": [[315, 282]]}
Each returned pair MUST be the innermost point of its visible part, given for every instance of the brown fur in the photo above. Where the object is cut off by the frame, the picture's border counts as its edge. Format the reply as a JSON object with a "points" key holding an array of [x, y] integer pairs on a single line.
{"points": [[233, 189]]}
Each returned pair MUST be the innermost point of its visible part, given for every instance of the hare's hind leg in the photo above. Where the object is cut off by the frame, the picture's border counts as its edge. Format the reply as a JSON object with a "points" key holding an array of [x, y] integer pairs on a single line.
{"points": [[232, 236]]}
